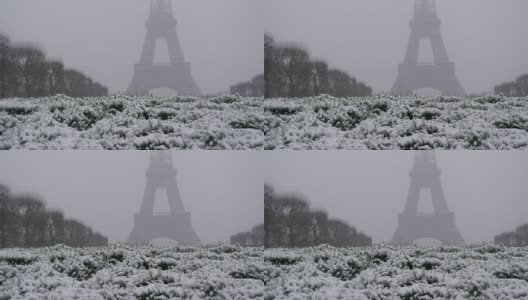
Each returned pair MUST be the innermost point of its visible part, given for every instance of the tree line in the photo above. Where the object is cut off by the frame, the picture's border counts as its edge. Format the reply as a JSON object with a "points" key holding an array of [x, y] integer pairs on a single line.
{"points": [[289, 72], [517, 88], [289, 222], [517, 238], [252, 238], [25, 222], [25, 72], [252, 88]]}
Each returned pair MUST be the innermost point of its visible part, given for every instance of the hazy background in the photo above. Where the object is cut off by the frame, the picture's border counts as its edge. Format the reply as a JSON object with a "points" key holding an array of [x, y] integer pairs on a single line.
{"points": [[222, 190], [221, 38], [368, 38], [368, 189]]}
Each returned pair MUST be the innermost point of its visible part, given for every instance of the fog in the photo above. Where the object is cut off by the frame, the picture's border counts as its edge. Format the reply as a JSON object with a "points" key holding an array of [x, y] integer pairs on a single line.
{"points": [[223, 191], [485, 38], [368, 189], [221, 38]]}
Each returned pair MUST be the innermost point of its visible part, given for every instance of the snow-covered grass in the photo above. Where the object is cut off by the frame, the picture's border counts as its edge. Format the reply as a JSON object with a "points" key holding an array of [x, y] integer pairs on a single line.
{"points": [[122, 122], [122, 272], [234, 122], [385, 272], [234, 272], [387, 122]]}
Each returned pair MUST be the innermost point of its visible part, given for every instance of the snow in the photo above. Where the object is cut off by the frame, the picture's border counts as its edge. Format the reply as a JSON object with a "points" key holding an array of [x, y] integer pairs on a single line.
{"points": [[234, 272], [387, 122], [234, 122], [122, 122], [122, 272], [386, 272]]}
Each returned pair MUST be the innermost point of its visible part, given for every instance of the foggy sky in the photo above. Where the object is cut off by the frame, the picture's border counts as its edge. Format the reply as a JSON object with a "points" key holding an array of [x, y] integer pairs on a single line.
{"points": [[221, 38], [222, 190], [486, 39], [368, 189]]}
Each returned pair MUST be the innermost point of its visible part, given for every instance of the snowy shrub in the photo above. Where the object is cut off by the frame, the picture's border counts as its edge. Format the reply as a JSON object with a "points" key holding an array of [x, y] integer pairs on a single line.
{"points": [[280, 108], [255, 271], [387, 122], [18, 259], [234, 122], [514, 121], [123, 272], [400, 273], [228, 249], [379, 106], [123, 122], [430, 263], [380, 256], [340, 268], [512, 272], [492, 249], [283, 259]]}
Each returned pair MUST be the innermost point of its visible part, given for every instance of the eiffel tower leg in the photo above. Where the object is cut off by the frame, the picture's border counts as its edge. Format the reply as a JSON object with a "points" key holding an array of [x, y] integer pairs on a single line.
{"points": [[147, 55], [399, 88], [175, 203], [411, 57], [439, 49], [452, 237], [193, 89], [137, 88], [398, 237], [191, 239], [453, 88], [439, 202], [458, 239], [135, 237], [411, 206], [187, 88], [173, 44]]}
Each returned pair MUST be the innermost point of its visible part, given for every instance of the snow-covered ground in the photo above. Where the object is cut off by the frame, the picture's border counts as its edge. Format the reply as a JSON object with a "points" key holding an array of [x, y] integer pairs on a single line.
{"points": [[386, 122], [122, 122], [233, 272], [233, 122], [122, 272], [384, 272]]}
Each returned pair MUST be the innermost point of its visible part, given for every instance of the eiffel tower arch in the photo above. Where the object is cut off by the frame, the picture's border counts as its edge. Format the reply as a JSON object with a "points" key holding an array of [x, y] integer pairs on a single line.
{"points": [[176, 224], [440, 74], [177, 73], [439, 225]]}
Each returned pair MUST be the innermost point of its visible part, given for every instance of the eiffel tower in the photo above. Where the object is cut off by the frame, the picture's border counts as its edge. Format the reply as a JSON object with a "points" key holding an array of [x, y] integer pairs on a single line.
{"points": [[175, 75], [439, 225], [439, 75], [175, 225]]}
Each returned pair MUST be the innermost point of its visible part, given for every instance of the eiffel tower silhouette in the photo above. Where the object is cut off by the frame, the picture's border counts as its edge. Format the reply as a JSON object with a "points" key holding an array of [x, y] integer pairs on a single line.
{"points": [[439, 225], [177, 223], [177, 74], [439, 75]]}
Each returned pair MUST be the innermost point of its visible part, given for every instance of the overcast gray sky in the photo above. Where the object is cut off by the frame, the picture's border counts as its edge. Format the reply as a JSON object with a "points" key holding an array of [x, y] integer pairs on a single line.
{"points": [[368, 189], [222, 190], [221, 38], [368, 38]]}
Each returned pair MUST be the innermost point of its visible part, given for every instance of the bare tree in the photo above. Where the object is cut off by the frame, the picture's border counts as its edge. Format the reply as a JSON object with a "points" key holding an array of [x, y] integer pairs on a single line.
{"points": [[31, 69], [289, 222], [25, 222], [4, 191], [55, 78], [289, 72]]}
